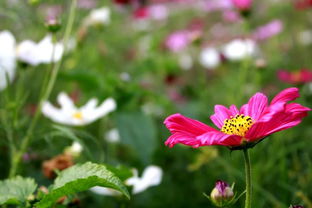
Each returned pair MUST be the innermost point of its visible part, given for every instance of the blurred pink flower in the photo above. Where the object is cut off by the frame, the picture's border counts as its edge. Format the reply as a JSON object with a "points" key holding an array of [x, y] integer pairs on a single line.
{"points": [[178, 40], [242, 4], [217, 5], [158, 12], [296, 77], [239, 128], [86, 4], [231, 16], [303, 4], [266, 31], [141, 13]]}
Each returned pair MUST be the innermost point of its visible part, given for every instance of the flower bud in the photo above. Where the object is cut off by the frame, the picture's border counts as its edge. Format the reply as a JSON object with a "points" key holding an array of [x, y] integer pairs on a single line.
{"points": [[53, 24], [222, 194], [243, 5]]}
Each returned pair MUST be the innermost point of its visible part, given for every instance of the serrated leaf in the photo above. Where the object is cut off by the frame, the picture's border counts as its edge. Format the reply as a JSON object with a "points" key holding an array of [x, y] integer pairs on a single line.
{"points": [[79, 178], [138, 130], [121, 172], [16, 190]]}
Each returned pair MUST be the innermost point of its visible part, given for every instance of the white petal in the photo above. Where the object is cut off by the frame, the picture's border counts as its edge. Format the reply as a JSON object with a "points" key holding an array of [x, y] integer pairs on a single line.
{"points": [[26, 52], [112, 136], [239, 49], [90, 105], [104, 191], [45, 50], [76, 147], [106, 107], [66, 103], [152, 176], [7, 58], [209, 58], [98, 16], [54, 113]]}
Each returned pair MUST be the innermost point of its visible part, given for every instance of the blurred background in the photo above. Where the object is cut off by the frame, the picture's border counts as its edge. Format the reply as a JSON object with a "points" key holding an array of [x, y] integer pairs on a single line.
{"points": [[156, 58]]}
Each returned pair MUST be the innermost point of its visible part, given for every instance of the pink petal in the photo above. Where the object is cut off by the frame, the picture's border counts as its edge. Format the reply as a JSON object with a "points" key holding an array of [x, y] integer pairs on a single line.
{"points": [[219, 138], [185, 139], [286, 95], [256, 106], [221, 113], [185, 130], [234, 110], [179, 123], [295, 107], [291, 116]]}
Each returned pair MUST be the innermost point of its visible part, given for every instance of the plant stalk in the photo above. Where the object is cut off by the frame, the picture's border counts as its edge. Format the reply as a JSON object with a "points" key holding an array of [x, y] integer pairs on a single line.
{"points": [[248, 178], [45, 95]]}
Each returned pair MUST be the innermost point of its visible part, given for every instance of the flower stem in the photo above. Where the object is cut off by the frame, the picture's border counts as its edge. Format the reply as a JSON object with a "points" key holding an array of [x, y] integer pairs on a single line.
{"points": [[248, 178], [45, 95]]}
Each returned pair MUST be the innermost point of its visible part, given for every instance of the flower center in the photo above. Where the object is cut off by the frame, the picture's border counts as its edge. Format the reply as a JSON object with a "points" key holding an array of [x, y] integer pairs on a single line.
{"points": [[78, 115], [237, 125]]}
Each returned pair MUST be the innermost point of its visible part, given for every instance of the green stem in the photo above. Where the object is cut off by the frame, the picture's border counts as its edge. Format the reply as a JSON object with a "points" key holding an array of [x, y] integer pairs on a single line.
{"points": [[248, 179], [45, 95]]}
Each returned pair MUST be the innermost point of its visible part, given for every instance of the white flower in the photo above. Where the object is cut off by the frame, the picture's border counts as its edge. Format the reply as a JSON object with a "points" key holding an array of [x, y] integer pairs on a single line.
{"points": [[7, 58], [69, 114], [151, 176], [112, 136], [209, 58], [75, 149], [239, 49], [98, 16], [34, 54]]}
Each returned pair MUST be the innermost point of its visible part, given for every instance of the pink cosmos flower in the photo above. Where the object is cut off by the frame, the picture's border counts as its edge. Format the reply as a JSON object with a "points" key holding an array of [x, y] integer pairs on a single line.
{"points": [[297, 77], [266, 31], [239, 128], [178, 40], [242, 4]]}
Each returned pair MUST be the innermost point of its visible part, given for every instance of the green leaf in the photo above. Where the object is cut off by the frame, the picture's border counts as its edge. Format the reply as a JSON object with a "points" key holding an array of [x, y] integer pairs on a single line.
{"points": [[138, 130], [79, 178], [16, 190], [121, 172]]}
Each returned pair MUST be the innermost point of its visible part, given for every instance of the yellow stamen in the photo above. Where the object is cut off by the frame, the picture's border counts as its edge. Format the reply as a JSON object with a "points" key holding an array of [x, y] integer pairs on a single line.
{"points": [[237, 125], [78, 115]]}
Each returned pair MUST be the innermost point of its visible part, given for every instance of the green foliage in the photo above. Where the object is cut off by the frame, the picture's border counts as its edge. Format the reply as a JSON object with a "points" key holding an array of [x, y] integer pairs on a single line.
{"points": [[81, 177], [16, 190], [139, 132]]}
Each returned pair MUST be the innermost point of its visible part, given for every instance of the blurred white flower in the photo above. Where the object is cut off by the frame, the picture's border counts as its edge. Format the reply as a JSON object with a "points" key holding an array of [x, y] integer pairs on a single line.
{"points": [[42, 52], [185, 61], [209, 58], [124, 76], [151, 176], [239, 49], [75, 149], [112, 136], [99, 16], [69, 114], [7, 58], [305, 37]]}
